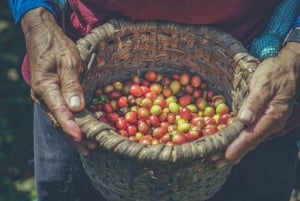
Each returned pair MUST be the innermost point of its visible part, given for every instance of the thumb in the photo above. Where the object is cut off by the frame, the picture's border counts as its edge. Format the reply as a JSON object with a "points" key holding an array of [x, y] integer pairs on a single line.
{"points": [[258, 99], [71, 88]]}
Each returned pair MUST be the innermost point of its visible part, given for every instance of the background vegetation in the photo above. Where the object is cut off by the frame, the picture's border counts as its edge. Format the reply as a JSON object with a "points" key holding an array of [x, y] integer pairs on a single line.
{"points": [[16, 144], [16, 154]]}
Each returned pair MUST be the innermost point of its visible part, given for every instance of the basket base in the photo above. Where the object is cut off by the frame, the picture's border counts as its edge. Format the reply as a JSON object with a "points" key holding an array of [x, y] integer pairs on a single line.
{"points": [[119, 178]]}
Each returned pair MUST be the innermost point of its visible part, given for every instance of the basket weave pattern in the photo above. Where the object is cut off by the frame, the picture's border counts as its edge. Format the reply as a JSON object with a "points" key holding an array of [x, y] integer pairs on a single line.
{"points": [[123, 170]]}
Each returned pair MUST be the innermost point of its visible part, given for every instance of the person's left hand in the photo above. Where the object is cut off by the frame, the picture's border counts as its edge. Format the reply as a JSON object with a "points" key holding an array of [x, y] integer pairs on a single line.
{"points": [[272, 94]]}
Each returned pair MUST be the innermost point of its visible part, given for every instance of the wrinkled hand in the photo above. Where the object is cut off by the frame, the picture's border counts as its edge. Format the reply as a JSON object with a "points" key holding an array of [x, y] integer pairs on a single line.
{"points": [[55, 68], [272, 93]]}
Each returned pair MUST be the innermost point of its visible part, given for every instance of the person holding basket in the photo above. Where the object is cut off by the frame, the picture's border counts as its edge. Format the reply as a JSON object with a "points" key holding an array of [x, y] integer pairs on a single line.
{"points": [[52, 68]]}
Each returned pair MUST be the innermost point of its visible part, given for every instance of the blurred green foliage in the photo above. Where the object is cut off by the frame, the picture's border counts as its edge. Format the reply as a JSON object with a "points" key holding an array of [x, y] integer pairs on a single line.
{"points": [[16, 140], [16, 117]]}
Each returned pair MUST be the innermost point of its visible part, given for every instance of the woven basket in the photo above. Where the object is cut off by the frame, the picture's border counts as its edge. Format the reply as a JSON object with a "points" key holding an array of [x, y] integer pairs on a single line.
{"points": [[123, 170]]}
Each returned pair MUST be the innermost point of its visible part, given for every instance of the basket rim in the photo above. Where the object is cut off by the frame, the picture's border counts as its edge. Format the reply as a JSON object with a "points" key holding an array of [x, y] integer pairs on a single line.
{"points": [[109, 139]]}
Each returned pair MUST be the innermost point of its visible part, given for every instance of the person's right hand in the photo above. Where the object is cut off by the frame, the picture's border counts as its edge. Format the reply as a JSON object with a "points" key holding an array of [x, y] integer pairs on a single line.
{"points": [[55, 67]]}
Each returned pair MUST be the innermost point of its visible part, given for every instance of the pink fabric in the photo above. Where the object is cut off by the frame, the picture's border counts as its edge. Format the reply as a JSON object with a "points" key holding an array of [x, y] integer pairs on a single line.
{"points": [[26, 69], [244, 19]]}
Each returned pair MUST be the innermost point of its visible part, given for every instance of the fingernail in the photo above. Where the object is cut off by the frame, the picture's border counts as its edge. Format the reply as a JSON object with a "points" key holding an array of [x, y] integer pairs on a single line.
{"points": [[76, 139], [92, 145], [246, 115], [236, 162], [84, 153], [75, 101], [220, 164]]}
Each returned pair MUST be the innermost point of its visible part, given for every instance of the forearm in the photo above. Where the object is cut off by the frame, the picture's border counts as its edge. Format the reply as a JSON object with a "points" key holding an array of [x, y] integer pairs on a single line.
{"points": [[20, 7]]}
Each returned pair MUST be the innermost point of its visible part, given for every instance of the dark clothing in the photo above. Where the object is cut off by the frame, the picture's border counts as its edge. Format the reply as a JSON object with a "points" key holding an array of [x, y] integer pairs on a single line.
{"points": [[58, 171], [266, 174], [244, 19]]}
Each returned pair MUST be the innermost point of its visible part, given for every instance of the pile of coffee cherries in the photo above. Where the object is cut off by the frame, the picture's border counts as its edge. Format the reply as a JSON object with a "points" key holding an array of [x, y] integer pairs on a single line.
{"points": [[155, 108]]}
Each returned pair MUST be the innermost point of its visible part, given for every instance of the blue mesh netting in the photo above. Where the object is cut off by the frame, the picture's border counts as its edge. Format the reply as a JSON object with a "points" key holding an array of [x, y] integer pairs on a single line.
{"points": [[269, 43], [60, 3]]}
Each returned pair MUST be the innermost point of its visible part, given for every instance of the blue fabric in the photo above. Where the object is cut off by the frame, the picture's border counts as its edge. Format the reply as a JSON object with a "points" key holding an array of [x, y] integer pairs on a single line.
{"points": [[269, 43], [265, 174], [60, 3], [297, 23], [58, 171], [20, 7]]}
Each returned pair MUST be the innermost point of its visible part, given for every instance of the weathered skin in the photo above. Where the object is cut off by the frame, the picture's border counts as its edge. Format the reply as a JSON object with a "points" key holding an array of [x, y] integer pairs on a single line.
{"points": [[55, 68]]}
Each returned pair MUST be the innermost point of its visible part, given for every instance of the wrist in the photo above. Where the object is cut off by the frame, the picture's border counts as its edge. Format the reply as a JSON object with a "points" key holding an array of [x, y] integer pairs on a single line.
{"points": [[36, 17], [291, 55], [292, 43]]}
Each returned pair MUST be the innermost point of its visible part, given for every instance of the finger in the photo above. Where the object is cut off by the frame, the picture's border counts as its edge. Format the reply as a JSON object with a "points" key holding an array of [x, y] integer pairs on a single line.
{"points": [[70, 84], [221, 163], [271, 121], [219, 160], [259, 95], [80, 147], [217, 156], [90, 144], [240, 146], [50, 93]]}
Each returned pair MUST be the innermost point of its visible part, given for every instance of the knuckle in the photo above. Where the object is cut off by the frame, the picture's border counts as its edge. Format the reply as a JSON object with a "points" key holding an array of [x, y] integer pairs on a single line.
{"points": [[38, 86], [71, 67], [44, 87], [57, 110], [71, 87]]}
